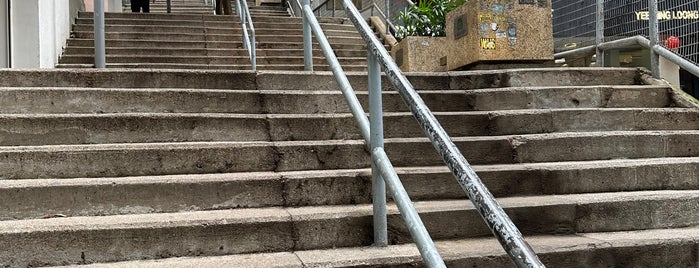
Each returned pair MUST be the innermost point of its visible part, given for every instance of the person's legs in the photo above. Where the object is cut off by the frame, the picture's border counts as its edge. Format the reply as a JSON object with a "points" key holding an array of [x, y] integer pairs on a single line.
{"points": [[135, 5], [146, 6]]}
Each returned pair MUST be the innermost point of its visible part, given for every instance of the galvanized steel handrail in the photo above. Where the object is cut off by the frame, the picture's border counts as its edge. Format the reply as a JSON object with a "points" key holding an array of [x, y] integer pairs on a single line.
{"points": [[492, 213], [383, 172], [243, 13], [494, 216], [652, 44]]}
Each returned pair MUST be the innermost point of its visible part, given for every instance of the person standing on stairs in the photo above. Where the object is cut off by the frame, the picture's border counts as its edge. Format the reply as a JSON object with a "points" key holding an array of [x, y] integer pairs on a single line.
{"points": [[137, 5], [223, 7]]}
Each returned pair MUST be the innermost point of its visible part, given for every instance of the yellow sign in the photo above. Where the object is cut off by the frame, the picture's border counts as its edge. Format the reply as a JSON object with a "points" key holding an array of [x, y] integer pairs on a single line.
{"points": [[488, 43], [670, 15]]}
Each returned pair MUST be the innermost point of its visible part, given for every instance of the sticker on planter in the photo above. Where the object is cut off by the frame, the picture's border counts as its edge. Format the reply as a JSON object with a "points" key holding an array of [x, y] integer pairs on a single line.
{"points": [[527, 2], [512, 41], [512, 31], [484, 29], [485, 18], [500, 34], [498, 8], [510, 8], [460, 29], [488, 43]]}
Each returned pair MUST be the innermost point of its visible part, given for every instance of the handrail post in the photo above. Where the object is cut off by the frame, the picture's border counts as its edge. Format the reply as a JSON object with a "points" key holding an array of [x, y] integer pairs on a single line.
{"points": [[378, 188], [169, 6], [599, 34], [307, 45], [100, 54], [653, 32]]}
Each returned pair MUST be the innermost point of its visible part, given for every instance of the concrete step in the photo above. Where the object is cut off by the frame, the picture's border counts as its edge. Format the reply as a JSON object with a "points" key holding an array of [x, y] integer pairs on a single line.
{"points": [[86, 100], [261, 38], [169, 44], [85, 24], [566, 78], [645, 248], [150, 30], [45, 129], [37, 198], [212, 60], [207, 233], [138, 159], [226, 67], [206, 17], [261, 52]]}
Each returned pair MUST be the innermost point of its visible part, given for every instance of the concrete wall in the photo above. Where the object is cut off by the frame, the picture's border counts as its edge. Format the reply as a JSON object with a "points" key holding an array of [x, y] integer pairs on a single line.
{"points": [[4, 34], [39, 32]]}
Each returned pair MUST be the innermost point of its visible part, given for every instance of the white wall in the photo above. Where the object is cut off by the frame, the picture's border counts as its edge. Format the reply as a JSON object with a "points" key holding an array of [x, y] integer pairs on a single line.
{"points": [[39, 32], [4, 34]]}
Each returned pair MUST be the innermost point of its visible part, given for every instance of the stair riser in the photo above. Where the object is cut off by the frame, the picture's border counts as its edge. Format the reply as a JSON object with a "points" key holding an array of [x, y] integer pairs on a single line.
{"points": [[44, 130], [112, 196], [213, 38], [296, 81], [242, 67], [207, 17], [352, 229], [150, 31], [86, 25], [201, 44], [326, 155], [72, 51], [241, 60]]}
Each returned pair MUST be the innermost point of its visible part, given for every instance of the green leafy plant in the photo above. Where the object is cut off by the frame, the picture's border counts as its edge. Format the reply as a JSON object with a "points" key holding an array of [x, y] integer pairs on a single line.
{"points": [[425, 18]]}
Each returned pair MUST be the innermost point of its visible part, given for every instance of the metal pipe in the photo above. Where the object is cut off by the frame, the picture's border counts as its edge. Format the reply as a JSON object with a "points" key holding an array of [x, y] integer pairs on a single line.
{"points": [[100, 54], [417, 229], [674, 58], [599, 33], [385, 17], [169, 6], [376, 125], [653, 32], [340, 76], [307, 45], [251, 42], [492, 213]]}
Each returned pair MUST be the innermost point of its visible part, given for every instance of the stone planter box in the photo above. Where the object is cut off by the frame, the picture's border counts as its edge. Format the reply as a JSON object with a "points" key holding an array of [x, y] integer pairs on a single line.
{"points": [[496, 31], [420, 54]]}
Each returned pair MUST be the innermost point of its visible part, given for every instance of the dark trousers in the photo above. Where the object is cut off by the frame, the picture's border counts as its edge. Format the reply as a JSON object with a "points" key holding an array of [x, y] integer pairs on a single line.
{"points": [[137, 5]]}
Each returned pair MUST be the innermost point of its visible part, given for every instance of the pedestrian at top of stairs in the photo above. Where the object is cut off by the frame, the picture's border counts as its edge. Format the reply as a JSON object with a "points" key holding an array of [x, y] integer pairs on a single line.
{"points": [[223, 7], [137, 5]]}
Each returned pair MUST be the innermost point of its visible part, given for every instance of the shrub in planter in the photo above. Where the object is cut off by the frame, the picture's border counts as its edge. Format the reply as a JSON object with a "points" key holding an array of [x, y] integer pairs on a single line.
{"points": [[421, 32]]}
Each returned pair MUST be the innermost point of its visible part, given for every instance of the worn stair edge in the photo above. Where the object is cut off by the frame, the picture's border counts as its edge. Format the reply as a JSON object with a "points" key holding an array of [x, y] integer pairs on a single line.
{"points": [[54, 129], [215, 157], [26, 100], [35, 198], [288, 229], [646, 248]]}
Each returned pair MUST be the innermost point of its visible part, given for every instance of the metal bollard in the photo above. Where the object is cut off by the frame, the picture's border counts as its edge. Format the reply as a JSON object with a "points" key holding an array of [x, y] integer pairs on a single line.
{"points": [[100, 55]]}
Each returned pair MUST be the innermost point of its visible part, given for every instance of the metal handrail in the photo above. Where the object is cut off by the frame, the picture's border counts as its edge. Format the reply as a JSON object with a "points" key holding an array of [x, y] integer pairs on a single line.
{"points": [[492, 213], [652, 43], [631, 42], [494, 216], [243, 13], [383, 173]]}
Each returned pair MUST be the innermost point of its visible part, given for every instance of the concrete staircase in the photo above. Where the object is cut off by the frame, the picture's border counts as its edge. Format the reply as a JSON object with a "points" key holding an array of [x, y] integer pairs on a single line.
{"points": [[204, 41], [168, 168]]}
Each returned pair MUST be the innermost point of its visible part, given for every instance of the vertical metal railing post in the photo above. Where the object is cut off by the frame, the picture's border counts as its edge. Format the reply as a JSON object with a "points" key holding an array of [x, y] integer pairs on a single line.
{"points": [[387, 16], [100, 54], [599, 33], [378, 186], [169, 6], [307, 41], [653, 36]]}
